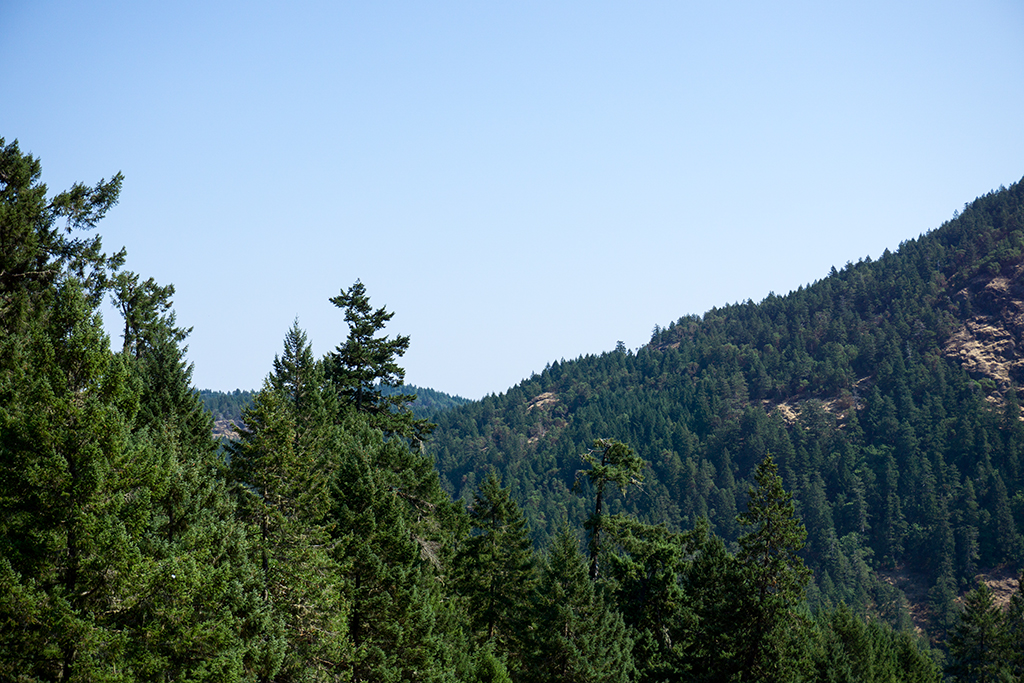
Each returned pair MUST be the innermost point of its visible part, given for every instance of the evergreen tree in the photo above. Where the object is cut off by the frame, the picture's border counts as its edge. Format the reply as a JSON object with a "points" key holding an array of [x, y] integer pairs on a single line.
{"points": [[496, 571], [775, 576], [146, 310], [848, 649], [1014, 631], [69, 534], [197, 618], [70, 541], [580, 636], [39, 237], [715, 629], [646, 571], [366, 362], [618, 465], [942, 602], [977, 646], [283, 465], [389, 535]]}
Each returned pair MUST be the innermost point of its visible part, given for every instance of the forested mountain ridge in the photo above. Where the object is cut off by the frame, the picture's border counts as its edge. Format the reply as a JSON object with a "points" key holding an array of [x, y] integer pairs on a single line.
{"points": [[887, 392]]}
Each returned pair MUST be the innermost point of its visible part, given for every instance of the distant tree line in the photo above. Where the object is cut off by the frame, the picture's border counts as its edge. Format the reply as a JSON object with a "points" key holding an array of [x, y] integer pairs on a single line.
{"points": [[228, 405]]}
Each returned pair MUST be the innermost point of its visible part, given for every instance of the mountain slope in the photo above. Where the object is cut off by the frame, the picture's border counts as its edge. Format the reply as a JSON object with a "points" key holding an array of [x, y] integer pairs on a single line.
{"points": [[886, 392]]}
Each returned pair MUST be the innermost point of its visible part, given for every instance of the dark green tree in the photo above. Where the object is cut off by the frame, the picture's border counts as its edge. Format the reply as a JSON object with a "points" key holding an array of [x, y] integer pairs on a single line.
{"points": [[146, 310], [849, 649], [977, 644], [611, 462], [283, 466], [775, 577], [390, 530], [196, 618], [580, 636], [496, 571], [714, 631], [365, 362], [646, 570], [69, 531], [121, 552], [40, 238], [70, 538], [1014, 631]]}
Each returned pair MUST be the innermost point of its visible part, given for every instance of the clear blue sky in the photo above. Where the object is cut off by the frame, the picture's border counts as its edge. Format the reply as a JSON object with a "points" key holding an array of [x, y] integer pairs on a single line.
{"points": [[520, 182]]}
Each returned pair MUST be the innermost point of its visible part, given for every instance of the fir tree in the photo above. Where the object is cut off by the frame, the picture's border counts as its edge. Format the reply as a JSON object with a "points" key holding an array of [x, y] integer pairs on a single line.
{"points": [[645, 570], [1014, 631], [283, 465], [977, 645], [580, 636], [496, 570], [775, 576], [365, 362], [196, 618], [69, 550], [389, 540], [617, 464], [70, 542]]}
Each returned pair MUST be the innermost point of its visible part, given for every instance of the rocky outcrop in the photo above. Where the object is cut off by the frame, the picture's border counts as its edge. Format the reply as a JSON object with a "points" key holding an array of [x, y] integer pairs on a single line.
{"points": [[225, 429], [990, 342]]}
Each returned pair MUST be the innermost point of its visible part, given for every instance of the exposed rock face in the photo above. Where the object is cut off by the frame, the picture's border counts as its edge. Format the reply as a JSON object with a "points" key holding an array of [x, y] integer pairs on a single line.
{"points": [[990, 343], [545, 400], [225, 429]]}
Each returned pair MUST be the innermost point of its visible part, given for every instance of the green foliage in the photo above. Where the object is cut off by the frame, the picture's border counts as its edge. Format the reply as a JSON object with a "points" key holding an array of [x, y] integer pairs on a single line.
{"points": [[195, 619], [122, 559], [1014, 631], [39, 241], [366, 362], [579, 635], [618, 465], [146, 309], [288, 444], [770, 550], [977, 645], [429, 403], [774, 577], [392, 543], [226, 405], [70, 535], [495, 568], [849, 649], [324, 546], [646, 570]]}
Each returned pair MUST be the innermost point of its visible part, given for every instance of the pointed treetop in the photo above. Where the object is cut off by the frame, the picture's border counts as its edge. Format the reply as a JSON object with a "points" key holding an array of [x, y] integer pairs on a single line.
{"points": [[365, 362]]}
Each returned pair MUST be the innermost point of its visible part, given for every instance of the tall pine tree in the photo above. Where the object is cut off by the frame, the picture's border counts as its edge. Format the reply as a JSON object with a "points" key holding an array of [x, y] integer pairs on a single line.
{"points": [[283, 466], [580, 636], [365, 362], [775, 577], [496, 571]]}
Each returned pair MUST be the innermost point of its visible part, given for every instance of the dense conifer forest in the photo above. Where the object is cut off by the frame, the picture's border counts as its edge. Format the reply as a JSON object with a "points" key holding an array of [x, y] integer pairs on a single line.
{"points": [[887, 393], [719, 506], [226, 405]]}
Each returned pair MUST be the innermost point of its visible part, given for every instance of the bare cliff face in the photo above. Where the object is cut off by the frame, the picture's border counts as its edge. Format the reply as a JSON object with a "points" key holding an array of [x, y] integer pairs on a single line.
{"points": [[990, 342]]}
